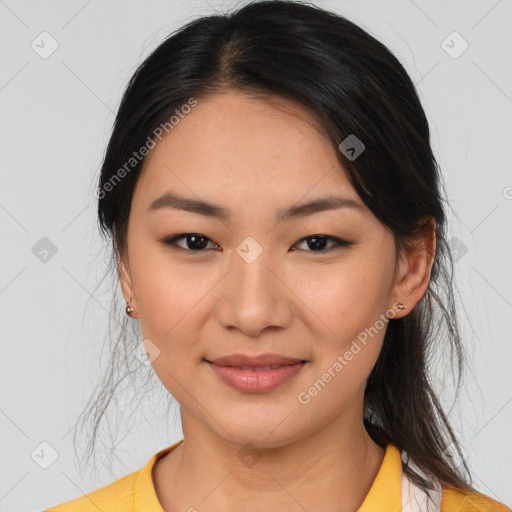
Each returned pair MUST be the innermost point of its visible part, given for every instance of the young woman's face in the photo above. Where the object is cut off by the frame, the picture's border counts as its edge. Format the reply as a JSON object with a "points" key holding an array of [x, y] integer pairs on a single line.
{"points": [[254, 283]]}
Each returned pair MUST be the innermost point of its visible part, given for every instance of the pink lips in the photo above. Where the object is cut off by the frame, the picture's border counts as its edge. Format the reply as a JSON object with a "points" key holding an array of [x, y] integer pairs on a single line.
{"points": [[246, 373]]}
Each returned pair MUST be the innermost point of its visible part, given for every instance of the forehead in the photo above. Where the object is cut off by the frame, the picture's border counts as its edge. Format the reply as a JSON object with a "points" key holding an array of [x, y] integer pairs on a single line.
{"points": [[270, 150]]}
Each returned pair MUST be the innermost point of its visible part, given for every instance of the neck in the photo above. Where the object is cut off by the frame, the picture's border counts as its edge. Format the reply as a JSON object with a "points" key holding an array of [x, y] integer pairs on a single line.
{"points": [[330, 470]]}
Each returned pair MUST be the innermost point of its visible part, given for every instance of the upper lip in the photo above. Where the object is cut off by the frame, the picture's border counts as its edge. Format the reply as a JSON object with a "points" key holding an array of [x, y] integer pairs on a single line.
{"points": [[254, 361]]}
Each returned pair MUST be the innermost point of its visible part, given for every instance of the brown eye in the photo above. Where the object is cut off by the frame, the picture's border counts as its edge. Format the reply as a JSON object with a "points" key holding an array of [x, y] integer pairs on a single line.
{"points": [[318, 243], [195, 242]]}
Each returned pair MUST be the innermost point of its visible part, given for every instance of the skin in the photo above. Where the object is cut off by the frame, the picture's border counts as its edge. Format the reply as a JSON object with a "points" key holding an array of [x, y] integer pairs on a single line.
{"points": [[298, 302]]}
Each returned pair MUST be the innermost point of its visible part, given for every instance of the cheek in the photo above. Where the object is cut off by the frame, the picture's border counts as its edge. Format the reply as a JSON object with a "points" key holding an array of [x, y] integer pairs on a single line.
{"points": [[169, 292], [173, 302], [349, 302], [346, 298]]}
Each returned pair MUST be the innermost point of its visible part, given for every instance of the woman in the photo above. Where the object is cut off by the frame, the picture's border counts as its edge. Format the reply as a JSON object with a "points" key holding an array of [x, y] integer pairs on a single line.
{"points": [[279, 234]]}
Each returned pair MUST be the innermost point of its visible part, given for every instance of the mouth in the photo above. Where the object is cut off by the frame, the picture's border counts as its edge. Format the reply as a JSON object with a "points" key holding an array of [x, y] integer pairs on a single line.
{"points": [[266, 361], [253, 379], [257, 368]]}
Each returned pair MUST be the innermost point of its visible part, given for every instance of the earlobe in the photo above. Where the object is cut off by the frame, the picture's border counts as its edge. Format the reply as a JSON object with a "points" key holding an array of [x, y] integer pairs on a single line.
{"points": [[416, 267], [130, 309], [126, 284]]}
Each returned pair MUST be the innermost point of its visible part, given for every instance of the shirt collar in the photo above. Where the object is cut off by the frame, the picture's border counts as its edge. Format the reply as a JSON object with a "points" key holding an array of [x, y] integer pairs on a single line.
{"points": [[144, 495], [384, 494]]}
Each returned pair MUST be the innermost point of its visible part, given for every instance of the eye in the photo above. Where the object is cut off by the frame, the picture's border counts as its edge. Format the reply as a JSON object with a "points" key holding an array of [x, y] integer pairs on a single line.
{"points": [[318, 242], [196, 242]]}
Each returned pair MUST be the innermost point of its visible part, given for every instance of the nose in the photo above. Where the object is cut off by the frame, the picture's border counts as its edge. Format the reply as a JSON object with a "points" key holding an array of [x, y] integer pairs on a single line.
{"points": [[255, 296]]}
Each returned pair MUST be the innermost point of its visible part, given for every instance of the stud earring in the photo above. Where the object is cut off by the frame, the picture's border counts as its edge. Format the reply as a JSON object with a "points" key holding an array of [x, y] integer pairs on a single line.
{"points": [[129, 308], [400, 306]]}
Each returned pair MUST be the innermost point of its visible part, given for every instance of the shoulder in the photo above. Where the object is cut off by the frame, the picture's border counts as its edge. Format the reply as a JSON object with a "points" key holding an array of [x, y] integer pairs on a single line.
{"points": [[455, 500], [127, 494], [114, 497]]}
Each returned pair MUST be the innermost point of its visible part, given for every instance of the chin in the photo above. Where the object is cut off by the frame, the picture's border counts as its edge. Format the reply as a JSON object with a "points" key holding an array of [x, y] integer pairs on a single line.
{"points": [[250, 436]]}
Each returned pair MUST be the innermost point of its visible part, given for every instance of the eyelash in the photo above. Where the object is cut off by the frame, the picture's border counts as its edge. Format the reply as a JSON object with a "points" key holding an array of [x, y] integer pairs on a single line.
{"points": [[338, 242]]}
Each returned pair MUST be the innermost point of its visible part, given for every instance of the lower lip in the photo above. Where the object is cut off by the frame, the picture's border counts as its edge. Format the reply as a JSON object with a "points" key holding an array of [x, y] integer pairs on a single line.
{"points": [[256, 380]]}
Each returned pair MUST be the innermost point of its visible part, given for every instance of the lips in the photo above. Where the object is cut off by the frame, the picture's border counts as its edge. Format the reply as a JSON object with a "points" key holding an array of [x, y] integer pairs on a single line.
{"points": [[258, 380], [259, 363]]}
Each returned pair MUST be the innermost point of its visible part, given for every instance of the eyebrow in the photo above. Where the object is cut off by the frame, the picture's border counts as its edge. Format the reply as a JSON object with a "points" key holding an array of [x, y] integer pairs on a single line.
{"points": [[197, 206]]}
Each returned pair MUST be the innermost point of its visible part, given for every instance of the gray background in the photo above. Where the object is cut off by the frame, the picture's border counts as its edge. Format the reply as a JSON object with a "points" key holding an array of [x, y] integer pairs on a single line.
{"points": [[56, 115]]}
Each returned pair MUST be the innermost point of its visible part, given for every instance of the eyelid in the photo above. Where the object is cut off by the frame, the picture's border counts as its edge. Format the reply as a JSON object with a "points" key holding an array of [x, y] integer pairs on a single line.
{"points": [[171, 242], [337, 242]]}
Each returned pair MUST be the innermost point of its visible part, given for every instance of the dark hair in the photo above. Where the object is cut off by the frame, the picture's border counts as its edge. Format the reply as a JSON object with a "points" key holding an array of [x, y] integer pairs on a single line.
{"points": [[352, 85]]}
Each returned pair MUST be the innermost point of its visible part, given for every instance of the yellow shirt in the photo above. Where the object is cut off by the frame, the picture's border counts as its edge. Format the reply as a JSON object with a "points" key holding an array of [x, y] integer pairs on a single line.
{"points": [[136, 493]]}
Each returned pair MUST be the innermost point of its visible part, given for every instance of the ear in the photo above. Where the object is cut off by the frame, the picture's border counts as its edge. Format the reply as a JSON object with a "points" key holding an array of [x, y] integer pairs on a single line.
{"points": [[415, 267], [125, 279]]}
